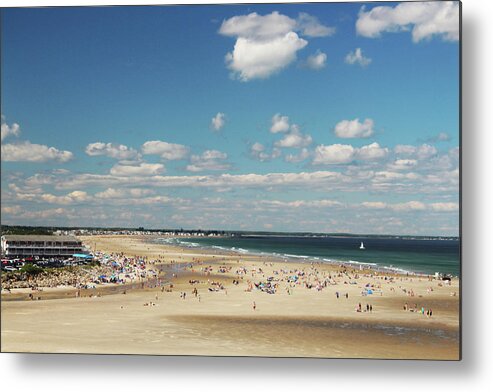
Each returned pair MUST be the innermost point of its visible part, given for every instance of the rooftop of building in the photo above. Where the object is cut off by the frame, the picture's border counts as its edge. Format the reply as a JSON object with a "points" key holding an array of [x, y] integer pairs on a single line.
{"points": [[53, 238]]}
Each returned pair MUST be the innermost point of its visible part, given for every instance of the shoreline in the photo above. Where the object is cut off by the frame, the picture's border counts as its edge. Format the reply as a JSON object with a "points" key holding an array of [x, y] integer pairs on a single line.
{"points": [[292, 258]]}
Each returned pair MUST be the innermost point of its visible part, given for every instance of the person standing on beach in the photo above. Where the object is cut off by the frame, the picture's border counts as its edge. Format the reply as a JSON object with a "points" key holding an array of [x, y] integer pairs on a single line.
{"points": [[254, 305]]}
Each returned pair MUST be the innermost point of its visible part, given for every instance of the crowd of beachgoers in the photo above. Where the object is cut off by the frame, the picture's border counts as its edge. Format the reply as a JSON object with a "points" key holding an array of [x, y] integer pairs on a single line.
{"points": [[271, 280], [109, 268]]}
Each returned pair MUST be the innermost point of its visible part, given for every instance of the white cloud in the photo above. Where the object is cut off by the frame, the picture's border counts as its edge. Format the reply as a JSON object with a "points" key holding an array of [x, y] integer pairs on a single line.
{"points": [[301, 203], [259, 152], [9, 130], [252, 59], [265, 44], [218, 121], [426, 151], [28, 152], [143, 169], [300, 157], [120, 193], [445, 207], [372, 151], [294, 139], [279, 123], [317, 60], [334, 154], [423, 19], [377, 205], [405, 149], [422, 152], [116, 151], [208, 160], [311, 27], [354, 128], [412, 206], [403, 164], [168, 151], [255, 26], [441, 137], [357, 57], [409, 206], [71, 198], [11, 210]]}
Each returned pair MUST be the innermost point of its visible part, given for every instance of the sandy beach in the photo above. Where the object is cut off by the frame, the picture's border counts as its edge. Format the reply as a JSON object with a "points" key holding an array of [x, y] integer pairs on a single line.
{"points": [[223, 312]]}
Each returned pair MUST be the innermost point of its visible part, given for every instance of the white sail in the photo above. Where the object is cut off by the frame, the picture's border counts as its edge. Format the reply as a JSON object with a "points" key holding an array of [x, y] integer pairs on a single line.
{"points": [[362, 246]]}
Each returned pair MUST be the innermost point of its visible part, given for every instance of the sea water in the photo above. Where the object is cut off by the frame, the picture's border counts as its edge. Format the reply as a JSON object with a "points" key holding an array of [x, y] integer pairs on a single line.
{"points": [[415, 255]]}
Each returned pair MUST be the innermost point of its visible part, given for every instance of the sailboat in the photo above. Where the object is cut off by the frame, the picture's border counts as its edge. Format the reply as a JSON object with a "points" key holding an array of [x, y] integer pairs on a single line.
{"points": [[362, 246]]}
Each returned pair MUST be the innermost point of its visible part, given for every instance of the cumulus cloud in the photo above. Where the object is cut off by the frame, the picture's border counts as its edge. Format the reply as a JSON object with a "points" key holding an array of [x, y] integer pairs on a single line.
{"points": [[445, 207], [25, 151], [116, 151], [424, 151], [251, 59], [441, 137], [259, 152], [70, 198], [409, 206], [218, 121], [354, 128], [208, 160], [112, 193], [29, 152], [423, 19], [357, 57], [310, 26], [337, 154], [168, 151], [405, 149], [403, 164], [372, 151], [334, 154], [11, 210], [294, 139], [377, 205], [302, 203], [412, 205], [279, 123], [300, 157], [265, 44], [255, 26], [10, 130], [143, 169], [316, 61]]}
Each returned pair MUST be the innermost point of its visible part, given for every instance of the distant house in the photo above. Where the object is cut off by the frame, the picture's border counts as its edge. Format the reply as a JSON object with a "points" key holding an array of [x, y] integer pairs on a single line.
{"points": [[40, 245]]}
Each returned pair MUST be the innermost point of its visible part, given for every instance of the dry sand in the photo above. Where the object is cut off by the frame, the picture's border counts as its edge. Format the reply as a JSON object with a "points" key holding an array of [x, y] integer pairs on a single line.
{"points": [[307, 323]]}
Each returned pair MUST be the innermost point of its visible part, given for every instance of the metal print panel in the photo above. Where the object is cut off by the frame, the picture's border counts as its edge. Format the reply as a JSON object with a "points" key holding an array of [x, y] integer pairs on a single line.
{"points": [[273, 180]]}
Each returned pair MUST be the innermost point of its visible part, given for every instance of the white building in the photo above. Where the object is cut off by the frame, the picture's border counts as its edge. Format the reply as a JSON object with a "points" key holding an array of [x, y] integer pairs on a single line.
{"points": [[40, 245]]}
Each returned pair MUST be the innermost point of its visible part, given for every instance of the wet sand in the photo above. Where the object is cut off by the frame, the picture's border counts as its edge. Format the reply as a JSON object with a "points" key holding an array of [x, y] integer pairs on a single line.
{"points": [[306, 323]]}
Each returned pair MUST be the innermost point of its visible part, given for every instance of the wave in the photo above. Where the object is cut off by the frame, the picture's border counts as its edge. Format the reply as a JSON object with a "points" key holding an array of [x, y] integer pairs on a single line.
{"points": [[188, 243]]}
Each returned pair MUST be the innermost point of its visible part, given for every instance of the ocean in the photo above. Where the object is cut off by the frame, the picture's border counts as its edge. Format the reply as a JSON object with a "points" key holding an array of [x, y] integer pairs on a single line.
{"points": [[401, 255]]}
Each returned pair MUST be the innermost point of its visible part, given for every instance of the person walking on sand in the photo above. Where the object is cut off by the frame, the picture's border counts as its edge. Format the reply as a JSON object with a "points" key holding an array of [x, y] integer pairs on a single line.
{"points": [[254, 305]]}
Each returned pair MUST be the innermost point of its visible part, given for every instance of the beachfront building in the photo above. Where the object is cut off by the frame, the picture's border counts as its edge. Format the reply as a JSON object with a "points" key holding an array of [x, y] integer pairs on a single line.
{"points": [[45, 246]]}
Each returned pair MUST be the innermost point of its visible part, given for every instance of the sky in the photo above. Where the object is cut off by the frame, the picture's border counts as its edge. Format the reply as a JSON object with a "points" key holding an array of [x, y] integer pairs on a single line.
{"points": [[334, 117]]}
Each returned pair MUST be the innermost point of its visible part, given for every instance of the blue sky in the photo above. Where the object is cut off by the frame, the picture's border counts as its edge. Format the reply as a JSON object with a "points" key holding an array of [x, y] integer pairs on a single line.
{"points": [[318, 117]]}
